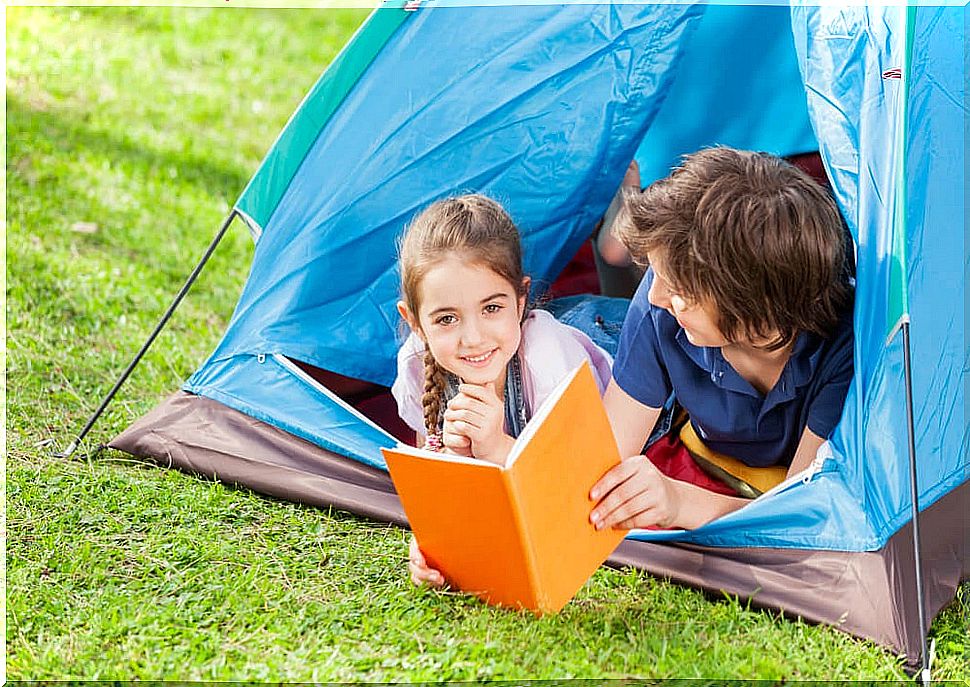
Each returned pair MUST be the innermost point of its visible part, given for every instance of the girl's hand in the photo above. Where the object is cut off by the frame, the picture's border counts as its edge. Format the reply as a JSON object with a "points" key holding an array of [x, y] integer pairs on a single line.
{"points": [[421, 574], [455, 443], [478, 414], [635, 495]]}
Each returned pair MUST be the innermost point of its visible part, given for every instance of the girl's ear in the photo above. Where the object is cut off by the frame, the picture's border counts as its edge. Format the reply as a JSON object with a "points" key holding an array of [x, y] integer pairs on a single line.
{"points": [[410, 319], [524, 295]]}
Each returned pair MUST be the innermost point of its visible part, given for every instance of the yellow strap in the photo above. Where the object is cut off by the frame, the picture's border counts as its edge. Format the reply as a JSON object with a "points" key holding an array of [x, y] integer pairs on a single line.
{"points": [[761, 479]]}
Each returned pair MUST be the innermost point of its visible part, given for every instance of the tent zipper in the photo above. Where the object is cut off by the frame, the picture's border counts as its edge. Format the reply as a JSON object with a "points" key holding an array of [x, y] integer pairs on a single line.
{"points": [[816, 467]]}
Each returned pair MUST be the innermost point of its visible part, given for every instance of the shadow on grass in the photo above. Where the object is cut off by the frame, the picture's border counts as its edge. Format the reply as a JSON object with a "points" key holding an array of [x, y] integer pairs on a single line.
{"points": [[70, 134], [42, 280]]}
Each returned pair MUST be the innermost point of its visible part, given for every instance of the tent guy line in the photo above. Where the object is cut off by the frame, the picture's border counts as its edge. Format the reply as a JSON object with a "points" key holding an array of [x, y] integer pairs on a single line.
{"points": [[182, 292]]}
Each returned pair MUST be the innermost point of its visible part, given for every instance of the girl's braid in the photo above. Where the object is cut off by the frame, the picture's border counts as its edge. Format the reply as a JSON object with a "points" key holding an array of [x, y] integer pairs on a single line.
{"points": [[434, 389]]}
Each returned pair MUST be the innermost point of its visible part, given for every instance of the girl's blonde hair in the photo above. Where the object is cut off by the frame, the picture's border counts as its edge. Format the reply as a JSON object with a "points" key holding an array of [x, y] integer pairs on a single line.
{"points": [[480, 231]]}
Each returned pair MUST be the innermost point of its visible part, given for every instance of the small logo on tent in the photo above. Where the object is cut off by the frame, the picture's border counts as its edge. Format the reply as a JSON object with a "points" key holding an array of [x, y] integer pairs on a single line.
{"points": [[894, 73], [412, 5]]}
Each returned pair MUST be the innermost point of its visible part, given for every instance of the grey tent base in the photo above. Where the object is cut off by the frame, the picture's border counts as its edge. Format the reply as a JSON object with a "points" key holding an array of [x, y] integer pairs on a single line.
{"points": [[869, 594]]}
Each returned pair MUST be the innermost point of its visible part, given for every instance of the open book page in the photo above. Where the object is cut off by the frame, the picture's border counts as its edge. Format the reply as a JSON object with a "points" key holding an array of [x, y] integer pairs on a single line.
{"points": [[518, 535], [539, 417], [568, 452]]}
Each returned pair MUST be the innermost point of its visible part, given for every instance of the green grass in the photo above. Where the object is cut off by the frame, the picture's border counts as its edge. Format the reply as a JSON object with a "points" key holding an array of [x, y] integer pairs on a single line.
{"points": [[144, 122]]}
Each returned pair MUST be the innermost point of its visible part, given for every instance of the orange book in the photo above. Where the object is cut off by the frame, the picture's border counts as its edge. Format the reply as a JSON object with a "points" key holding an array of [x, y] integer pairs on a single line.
{"points": [[517, 535]]}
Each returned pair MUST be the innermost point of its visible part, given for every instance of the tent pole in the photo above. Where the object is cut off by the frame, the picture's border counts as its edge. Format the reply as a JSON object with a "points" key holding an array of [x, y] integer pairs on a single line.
{"points": [[914, 492], [151, 338]]}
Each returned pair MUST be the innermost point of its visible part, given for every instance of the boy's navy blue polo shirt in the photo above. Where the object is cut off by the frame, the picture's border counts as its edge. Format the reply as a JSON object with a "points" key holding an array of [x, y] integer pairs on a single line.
{"points": [[731, 416]]}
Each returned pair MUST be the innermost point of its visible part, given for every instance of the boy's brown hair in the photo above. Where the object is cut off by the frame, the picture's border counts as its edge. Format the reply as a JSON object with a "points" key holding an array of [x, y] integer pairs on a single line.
{"points": [[751, 234]]}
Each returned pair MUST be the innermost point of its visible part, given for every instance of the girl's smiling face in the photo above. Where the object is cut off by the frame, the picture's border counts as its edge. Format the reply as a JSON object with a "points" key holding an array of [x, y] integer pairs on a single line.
{"points": [[470, 318]]}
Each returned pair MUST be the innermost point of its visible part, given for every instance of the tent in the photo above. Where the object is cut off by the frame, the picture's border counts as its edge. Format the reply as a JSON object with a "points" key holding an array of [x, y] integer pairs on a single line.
{"points": [[542, 107]]}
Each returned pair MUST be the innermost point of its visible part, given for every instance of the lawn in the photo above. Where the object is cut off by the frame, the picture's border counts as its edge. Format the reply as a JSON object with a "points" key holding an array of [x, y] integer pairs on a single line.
{"points": [[130, 133]]}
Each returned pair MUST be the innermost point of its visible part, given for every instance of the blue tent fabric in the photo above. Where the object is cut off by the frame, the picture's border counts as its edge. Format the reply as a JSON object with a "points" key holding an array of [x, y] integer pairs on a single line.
{"points": [[568, 116], [290, 400], [763, 109], [846, 55], [323, 283], [542, 108]]}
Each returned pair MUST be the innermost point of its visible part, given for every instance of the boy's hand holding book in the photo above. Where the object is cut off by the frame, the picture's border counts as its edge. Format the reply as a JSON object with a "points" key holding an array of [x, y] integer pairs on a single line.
{"points": [[634, 494]]}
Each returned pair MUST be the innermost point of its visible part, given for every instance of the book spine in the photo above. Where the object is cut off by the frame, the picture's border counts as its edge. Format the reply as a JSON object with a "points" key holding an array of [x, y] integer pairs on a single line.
{"points": [[537, 601]]}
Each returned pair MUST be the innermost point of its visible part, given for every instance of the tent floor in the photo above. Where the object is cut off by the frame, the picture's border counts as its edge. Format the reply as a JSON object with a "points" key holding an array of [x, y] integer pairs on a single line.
{"points": [[869, 594]]}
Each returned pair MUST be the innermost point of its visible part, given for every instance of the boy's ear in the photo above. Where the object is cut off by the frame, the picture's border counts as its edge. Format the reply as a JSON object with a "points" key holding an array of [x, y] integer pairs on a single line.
{"points": [[410, 319]]}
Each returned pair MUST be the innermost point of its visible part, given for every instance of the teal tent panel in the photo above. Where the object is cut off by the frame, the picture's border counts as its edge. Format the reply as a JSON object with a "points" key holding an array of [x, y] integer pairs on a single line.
{"points": [[261, 196]]}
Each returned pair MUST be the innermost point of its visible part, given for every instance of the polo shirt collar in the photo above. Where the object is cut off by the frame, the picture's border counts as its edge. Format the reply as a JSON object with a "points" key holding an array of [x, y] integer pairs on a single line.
{"points": [[711, 360], [798, 370]]}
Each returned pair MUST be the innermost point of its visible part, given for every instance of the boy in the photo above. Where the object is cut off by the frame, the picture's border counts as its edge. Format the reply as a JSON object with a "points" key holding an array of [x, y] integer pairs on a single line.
{"points": [[745, 315]]}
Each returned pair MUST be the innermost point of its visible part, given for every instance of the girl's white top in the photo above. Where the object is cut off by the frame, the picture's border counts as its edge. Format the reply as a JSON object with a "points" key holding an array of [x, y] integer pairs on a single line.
{"points": [[549, 351]]}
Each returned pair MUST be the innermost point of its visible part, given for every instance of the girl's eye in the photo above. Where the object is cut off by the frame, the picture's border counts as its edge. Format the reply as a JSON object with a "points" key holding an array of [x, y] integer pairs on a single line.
{"points": [[446, 320], [493, 308]]}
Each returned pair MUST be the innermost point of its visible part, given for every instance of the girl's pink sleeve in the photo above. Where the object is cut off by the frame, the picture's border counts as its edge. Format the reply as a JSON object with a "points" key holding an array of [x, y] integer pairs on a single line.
{"points": [[550, 350], [408, 387]]}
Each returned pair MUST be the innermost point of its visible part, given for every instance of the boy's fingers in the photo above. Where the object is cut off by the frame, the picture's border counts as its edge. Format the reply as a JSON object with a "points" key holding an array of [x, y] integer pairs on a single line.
{"points": [[642, 520], [634, 509], [621, 503], [616, 476]]}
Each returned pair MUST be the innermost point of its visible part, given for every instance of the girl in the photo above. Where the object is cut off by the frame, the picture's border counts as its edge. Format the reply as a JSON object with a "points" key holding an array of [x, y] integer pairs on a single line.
{"points": [[478, 362]]}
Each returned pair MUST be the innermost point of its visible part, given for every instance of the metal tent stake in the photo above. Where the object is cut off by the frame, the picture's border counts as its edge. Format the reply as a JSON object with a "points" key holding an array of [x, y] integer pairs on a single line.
{"points": [[914, 491], [151, 338]]}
